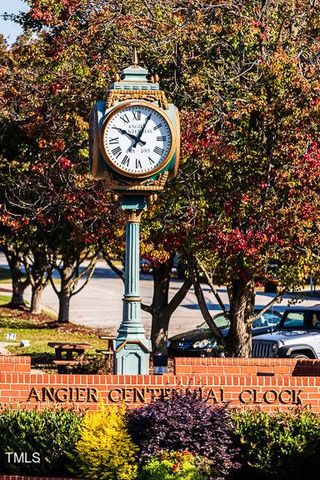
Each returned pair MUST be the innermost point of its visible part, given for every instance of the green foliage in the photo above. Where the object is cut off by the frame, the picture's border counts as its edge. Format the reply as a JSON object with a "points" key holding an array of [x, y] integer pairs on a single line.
{"points": [[51, 433], [177, 466], [281, 444], [105, 450], [247, 195]]}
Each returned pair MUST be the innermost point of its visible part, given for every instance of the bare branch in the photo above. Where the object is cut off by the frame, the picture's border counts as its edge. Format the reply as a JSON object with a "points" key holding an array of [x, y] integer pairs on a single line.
{"points": [[88, 268], [28, 270], [202, 303], [146, 308], [178, 297], [113, 267], [212, 287], [277, 298], [53, 285], [74, 292]]}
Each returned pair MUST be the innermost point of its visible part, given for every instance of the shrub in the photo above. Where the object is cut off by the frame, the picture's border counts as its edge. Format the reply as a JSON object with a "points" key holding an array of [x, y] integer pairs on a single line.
{"points": [[184, 422], [105, 450], [51, 433], [282, 444], [177, 466], [93, 364]]}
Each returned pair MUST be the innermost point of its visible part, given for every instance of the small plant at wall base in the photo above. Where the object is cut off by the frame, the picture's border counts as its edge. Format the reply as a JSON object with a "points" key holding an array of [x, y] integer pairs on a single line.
{"points": [[177, 466], [105, 450], [185, 422]]}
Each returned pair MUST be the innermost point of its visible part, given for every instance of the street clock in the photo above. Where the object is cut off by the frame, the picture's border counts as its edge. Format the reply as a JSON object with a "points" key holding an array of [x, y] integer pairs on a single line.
{"points": [[134, 149], [134, 135]]}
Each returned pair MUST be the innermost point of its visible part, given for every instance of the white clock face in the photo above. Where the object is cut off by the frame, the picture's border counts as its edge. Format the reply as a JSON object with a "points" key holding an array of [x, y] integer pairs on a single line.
{"points": [[137, 139]]}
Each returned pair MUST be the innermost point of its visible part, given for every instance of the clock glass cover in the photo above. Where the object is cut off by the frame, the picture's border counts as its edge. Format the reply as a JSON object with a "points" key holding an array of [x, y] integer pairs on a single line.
{"points": [[137, 139]]}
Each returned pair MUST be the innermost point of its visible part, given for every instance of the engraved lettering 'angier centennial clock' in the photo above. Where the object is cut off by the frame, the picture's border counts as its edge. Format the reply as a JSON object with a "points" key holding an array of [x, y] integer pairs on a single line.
{"points": [[137, 139]]}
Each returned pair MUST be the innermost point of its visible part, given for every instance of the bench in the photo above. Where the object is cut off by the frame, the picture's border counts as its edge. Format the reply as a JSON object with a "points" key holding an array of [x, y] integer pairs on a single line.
{"points": [[67, 354], [64, 365]]}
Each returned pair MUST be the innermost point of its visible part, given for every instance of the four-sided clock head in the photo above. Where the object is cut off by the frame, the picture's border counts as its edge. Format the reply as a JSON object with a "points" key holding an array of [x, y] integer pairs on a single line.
{"points": [[137, 139]]}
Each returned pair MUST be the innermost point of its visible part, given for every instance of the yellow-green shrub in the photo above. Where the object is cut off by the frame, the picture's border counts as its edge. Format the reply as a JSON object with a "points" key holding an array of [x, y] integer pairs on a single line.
{"points": [[105, 450]]}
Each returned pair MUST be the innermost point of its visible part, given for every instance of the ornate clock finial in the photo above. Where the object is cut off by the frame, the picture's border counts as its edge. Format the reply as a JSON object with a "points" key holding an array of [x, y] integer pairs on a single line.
{"points": [[135, 60]]}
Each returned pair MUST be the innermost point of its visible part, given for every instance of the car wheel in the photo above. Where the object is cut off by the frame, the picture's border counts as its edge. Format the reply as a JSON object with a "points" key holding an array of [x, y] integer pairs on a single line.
{"points": [[299, 355], [145, 268]]}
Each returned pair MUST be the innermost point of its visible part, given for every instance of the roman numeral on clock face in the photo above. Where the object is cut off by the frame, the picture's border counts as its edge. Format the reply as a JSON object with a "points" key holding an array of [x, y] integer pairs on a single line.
{"points": [[138, 164], [125, 161], [158, 150], [137, 115], [125, 118], [162, 138], [151, 161], [116, 152], [114, 141], [157, 126]]}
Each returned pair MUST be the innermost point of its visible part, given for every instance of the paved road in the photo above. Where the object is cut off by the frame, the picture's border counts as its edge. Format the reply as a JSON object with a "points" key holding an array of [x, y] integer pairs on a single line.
{"points": [[99, 304]]}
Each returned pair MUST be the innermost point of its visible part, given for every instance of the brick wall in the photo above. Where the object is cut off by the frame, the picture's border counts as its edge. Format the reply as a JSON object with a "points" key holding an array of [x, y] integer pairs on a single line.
{"points": [[267, 383], [14, 477]]}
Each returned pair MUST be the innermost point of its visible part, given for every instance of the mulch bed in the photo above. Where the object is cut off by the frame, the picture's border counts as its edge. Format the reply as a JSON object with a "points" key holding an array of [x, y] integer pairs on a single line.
{"points": [[44, 320]]}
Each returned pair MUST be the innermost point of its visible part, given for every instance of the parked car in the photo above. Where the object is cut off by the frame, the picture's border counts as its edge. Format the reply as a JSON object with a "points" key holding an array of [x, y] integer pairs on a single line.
{"points": [[298, 335], [180, 267], [145, 265], [201, 343]]}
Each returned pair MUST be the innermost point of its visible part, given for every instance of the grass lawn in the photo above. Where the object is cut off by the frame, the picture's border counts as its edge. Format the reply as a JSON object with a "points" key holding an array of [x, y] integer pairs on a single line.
{"points": [[41, 329]]}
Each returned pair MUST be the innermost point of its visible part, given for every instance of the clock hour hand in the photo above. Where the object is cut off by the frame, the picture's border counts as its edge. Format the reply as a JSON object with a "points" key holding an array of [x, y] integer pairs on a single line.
{"points": [[133, 137], [141, 131]]}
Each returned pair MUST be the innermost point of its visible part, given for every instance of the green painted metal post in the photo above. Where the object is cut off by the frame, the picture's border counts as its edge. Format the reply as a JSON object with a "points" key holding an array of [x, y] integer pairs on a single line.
{"points": [[131, 346]]}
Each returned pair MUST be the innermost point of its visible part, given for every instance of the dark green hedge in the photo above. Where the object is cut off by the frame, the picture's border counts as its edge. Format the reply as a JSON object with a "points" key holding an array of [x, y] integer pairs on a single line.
{"points": [[278, 446], [51, 434]]}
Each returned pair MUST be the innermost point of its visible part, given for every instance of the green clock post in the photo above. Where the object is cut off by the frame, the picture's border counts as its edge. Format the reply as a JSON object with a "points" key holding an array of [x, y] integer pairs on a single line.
{"points": [[134, 149]]}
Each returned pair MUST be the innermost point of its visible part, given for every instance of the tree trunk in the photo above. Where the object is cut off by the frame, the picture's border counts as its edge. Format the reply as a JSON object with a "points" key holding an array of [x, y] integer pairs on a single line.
{"points": [[38, 272], [18, 284], [36, 296], [241, 298], [64, 305], [18, 288], [70, 275], [160, 314]]}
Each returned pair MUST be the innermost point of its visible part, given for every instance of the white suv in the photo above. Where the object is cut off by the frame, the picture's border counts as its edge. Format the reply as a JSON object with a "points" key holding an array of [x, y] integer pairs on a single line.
{"points": [[297, 335]]}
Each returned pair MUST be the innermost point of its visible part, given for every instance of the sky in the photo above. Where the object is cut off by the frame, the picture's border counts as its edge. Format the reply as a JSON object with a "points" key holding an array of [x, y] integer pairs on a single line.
{"points": [[9, 29]]}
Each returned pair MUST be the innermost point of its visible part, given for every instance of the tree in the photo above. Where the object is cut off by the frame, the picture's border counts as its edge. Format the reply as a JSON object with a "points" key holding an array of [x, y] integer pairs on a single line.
{"points": [[47, 200], [253, 157], [247, 75]]}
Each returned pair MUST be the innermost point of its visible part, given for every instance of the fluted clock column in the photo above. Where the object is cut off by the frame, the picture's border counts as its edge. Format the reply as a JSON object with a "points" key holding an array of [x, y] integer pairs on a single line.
{"points": [[131, 346], [131, 325]]}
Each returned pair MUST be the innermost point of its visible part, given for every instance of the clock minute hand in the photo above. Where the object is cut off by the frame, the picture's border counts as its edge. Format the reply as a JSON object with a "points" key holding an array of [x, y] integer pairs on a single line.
{"points": [[133, 137], [141, 131]]}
